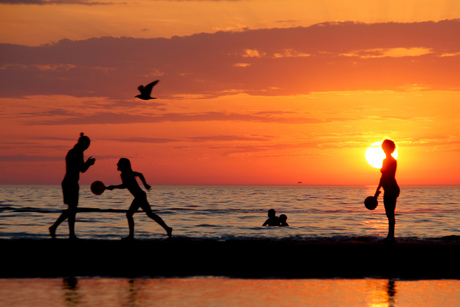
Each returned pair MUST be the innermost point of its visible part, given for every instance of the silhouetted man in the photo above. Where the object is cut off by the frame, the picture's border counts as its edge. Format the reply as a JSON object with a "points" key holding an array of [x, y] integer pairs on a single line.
{"points": [[70, 189]]}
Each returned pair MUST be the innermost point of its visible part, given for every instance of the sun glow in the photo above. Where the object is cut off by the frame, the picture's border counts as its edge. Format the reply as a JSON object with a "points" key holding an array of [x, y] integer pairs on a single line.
{"points": [[375, 155]]}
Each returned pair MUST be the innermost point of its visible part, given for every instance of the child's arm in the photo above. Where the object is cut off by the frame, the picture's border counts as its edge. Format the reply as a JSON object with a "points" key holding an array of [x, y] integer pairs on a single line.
{"points": [[141, 177]]}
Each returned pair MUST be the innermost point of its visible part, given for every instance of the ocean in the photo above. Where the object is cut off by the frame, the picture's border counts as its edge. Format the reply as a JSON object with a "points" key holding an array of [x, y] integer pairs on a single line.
{"points": [[236, 212], [315, 213]]}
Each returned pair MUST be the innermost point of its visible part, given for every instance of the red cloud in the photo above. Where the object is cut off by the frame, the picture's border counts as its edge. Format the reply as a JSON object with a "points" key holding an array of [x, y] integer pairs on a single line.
{"points": [[323, 57]]}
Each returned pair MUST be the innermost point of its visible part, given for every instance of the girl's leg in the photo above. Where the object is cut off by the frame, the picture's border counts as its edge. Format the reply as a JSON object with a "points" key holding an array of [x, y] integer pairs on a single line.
{"points": [[129, 215], [156, 218], [390, 206]]}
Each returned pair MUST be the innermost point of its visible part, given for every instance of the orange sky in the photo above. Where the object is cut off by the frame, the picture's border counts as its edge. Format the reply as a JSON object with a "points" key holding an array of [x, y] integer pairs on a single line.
{"points": [[250, 92]]}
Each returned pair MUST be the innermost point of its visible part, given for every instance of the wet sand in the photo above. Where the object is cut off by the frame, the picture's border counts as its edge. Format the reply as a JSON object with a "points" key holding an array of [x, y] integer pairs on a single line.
{"points": [[233, 258]]}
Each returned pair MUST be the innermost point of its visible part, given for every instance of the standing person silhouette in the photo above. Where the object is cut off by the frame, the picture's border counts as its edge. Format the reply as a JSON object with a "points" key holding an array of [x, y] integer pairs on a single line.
{"points": [[128, 179], [70, 189], [390, 187]]}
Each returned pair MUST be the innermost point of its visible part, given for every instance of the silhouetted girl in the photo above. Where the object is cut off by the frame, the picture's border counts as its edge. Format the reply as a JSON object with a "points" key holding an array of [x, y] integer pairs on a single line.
{"points": [[128, 178], [390, 187], [70, 188]]}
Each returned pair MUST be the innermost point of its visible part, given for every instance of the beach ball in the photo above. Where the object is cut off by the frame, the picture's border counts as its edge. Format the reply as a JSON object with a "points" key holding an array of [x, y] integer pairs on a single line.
{"points": [[97, 187], [371, 202]]}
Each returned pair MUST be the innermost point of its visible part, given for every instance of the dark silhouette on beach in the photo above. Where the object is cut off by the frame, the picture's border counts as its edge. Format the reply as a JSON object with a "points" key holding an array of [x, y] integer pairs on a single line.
{"points": [[146, 90], [72, 294], [74, 165], [272, 220], [390, 187], [128, 178], [283, 220], [391, 292]]}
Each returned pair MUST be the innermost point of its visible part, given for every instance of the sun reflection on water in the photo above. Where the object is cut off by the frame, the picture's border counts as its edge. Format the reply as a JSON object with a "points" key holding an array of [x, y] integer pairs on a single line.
{"points": [[211, 291]]}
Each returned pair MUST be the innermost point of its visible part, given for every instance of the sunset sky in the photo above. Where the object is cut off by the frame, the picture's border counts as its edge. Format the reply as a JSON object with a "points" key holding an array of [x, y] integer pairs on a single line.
{"points": [[250, 92]]}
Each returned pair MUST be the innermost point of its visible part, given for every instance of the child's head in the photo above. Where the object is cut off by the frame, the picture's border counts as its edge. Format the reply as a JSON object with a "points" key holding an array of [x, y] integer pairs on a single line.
{"points": [[124, 164], [388, 146], [84, 141], [283, 217], [271, 213]]}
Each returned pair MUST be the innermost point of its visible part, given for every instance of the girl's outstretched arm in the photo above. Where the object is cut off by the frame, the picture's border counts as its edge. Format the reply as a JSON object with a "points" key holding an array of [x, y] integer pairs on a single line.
{"points": [[377, 191]]}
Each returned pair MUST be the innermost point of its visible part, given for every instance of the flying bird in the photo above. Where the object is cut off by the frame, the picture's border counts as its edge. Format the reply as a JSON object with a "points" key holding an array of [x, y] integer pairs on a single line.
{"points": [[146, 91]]}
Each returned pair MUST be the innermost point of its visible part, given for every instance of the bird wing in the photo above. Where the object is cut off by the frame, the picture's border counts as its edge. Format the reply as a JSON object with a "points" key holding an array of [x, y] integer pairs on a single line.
{"points": [[140, 88], [148, 87]]}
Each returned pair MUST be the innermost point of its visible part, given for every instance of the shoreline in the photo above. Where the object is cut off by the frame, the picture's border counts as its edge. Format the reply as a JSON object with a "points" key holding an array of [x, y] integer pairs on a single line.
{"points": [[26, 258]]}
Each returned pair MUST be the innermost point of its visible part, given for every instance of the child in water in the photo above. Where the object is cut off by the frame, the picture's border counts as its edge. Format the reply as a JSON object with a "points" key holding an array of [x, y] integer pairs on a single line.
{"points": [[283, 220], [128, 178], [390, 187], [272, 220]]}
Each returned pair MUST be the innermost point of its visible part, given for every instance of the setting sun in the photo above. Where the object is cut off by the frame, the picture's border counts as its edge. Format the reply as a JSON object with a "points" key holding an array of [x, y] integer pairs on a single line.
{"points": [[375, 155], [248, 93]]}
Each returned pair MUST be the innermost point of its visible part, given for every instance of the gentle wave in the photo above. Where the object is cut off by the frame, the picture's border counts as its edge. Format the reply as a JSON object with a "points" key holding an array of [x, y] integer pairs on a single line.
{"points": [[233, 213]]}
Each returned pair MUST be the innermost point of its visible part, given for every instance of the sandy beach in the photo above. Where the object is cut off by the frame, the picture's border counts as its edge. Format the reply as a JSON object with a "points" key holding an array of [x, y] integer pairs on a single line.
{"points": [[232, 258]]}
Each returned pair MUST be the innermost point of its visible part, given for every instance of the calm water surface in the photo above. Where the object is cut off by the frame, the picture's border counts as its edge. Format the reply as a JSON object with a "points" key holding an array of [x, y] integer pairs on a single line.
{"points": [[235, 212], [219, 213]]}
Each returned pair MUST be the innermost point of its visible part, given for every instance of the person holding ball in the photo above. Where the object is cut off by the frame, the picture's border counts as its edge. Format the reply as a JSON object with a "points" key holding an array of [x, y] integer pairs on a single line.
{"points": [[128, 178], [390, 187]]}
